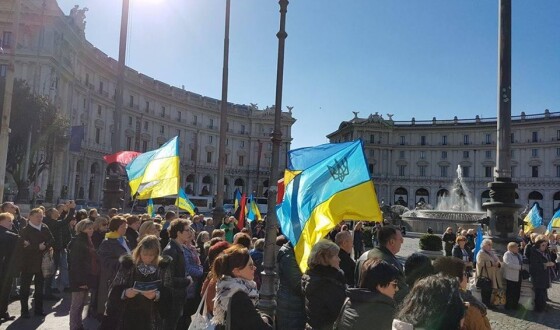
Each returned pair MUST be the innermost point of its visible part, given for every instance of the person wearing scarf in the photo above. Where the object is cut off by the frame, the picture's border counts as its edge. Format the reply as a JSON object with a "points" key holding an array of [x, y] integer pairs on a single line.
{"points": [[488, 265], [109, 253], [540, 268], [83, 270], [236, 292]]}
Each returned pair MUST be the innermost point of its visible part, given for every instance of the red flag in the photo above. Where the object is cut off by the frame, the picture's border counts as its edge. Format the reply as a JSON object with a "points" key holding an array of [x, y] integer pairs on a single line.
{"points": [[122, 157], [281, 188], [240, 213]]}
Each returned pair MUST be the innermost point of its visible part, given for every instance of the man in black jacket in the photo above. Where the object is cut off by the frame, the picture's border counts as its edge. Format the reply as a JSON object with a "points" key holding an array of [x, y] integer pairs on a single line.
{"points": [[178, 234], [8, 243], [345, 242], [37, 240]]}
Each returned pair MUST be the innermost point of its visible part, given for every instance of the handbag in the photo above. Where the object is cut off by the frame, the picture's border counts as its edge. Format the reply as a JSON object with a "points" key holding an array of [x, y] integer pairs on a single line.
{"points": [[498, 296], [47, 264], [483, 282], [525, 274], [199, 320]]}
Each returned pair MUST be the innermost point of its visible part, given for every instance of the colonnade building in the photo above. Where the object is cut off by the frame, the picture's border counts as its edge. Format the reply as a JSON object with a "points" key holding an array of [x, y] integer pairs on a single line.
{"points": [[415, 160], [54, 57]]}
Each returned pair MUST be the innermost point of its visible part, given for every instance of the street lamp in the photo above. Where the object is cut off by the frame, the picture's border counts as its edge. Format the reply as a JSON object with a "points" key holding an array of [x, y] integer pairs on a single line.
{"points": [[267, 301]]}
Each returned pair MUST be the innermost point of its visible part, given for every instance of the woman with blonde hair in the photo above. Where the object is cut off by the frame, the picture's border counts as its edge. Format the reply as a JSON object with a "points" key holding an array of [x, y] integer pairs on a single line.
{"points": [[323, 285], [148, 228], [100, 226], [141, 284], [488, 265]]}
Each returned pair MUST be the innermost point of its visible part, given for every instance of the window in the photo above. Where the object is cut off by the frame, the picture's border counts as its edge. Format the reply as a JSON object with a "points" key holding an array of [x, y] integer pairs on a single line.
{"points": [[488, 154], [534, 171], [193, 154], [444, 155], [195, 120], [85, 103], [99, 110], [557, 151], [131, 101], [558, 135], [443, 171], [209, 157], [444, 140], [87, 78], [488, 138], [179, 133], [466, 139], [422, 170], [162, 111], [558, 171], [100, 87], [488, 171], [422, 155], [211, 125], [535, 137], [147, 106], [512, 154], [512, 138], [242, 144], [162, 129], [146, 125], [241, 160], [401, 170], [242, 129], [372, 138], [128, 143], [7, 39], [466, 171], [403, 140], [3, 70], [401, 154], [423, 140], [144, 146], [97, 135], [513, 171], [370, 168], [179, 114], [227, 142], [465, 154], [210, 139], [129, 121], [534, 153], [371, 152]]}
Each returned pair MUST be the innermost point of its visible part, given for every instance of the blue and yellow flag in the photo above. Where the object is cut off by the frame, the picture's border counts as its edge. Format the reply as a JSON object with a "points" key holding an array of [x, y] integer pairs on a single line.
{"points": [[325, 185], [155, 173], [253, 212], [150, 208], [533, 219], [554, 222], [236, 199], [184, 203]]}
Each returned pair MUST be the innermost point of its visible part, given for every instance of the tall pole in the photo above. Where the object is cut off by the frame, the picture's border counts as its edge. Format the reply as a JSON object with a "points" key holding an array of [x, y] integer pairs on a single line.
{"points": [[7, 106], [502, 209], [120, 79], [267, 301], [219, 209]]}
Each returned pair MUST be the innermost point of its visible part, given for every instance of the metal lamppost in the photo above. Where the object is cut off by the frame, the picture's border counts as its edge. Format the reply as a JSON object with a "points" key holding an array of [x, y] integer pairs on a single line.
{"points": [[112, 193], [218, 213], [267, 301]]}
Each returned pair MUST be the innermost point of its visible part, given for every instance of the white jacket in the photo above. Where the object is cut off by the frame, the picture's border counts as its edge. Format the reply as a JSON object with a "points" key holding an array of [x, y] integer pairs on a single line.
{"points": [[512, 266]]}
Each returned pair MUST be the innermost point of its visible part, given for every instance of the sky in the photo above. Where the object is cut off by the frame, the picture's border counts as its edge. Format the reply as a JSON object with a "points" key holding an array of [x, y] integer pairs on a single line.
{"points": [[409, 58]]}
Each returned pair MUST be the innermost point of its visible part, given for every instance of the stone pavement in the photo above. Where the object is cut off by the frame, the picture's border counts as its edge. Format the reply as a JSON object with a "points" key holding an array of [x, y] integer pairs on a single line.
{"points": [[58, 318]]}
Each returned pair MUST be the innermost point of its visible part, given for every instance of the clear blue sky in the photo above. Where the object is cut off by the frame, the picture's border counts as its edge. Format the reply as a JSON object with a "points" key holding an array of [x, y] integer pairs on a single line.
{"points": [[410, 58]]}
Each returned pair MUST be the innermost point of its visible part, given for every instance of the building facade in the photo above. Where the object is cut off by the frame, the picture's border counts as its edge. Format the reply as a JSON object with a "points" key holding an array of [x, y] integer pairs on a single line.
{"points": [[412, 161], [54, 57]]}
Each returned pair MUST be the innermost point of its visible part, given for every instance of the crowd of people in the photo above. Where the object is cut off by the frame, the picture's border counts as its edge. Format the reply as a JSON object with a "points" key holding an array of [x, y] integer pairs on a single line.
{"points": [[168, 271]]}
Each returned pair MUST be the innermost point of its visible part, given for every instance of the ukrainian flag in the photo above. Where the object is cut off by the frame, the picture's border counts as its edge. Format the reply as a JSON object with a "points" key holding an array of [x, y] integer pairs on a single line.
{"points": [[253, 212], [184, 203], [554, 222], [325, 185], [155, 173], [533, 219], [150, 208]]}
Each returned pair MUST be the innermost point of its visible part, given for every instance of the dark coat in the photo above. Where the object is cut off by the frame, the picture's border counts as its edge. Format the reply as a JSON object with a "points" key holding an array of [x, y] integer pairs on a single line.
{"points": [[363, 309], [457, 253], [97, 238], [132, 238], [60, 229], [109, 252], [244, 315], [179, 278], [383, 253], [448, 240], [8, 250], [80, 263], [290, 311], [348, 266], [32, 255], [540, 274], [138, 313], [325, 291]]}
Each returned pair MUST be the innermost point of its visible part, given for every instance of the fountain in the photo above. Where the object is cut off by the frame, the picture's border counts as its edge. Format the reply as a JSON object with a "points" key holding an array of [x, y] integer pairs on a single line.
{"points": [[458, 209]]}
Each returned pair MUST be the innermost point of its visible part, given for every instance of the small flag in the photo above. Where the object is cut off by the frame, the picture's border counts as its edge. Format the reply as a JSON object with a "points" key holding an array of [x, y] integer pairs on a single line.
{"points": [[533, 219], [240, 212], [121, 157], [554, 222], [236, 199], [253, 212], [478, 241], [184, 203], [150, 208]]}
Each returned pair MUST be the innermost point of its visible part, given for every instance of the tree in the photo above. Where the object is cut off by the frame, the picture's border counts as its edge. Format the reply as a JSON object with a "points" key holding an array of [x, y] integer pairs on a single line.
{"points": [[35, 114]]}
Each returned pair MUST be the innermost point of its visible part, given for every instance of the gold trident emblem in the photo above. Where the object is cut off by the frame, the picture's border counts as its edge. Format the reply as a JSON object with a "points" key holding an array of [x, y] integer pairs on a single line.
{"points": [[339, 170]]}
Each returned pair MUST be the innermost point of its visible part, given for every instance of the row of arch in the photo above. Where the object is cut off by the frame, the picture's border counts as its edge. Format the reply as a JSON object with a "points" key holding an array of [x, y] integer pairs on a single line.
{"points": [[422, 194], [208, 182]]}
